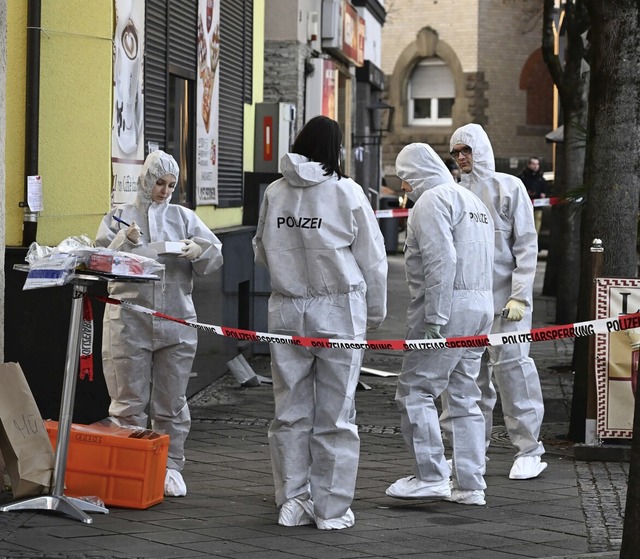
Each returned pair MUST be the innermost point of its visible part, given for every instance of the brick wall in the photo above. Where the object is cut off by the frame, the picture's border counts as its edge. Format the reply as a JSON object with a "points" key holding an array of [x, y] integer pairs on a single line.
{"points": [[284, 82], [490, 41]]}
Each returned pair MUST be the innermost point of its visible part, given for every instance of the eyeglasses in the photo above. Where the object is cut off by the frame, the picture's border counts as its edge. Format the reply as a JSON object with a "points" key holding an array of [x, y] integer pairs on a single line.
{"points": [[455, 153]]}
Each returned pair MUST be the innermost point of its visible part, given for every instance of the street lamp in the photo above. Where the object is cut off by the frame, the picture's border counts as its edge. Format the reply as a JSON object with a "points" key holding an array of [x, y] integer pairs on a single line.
{"points": [[381, 117]]}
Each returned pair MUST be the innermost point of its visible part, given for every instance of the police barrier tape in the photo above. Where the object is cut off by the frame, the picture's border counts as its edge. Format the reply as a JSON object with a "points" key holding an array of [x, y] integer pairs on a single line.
{"points": [[404, 212], [548, 333]]}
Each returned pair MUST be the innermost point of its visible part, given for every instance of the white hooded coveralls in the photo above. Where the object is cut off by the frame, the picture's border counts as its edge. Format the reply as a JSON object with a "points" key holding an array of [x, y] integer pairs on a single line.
{"points": [[448, 261], [516, 253], [319, 238], [147, 360]]}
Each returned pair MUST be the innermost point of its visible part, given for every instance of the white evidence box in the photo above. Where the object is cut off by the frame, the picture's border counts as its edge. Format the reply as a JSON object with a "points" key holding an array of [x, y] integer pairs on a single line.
{"points": [[167, 247]]}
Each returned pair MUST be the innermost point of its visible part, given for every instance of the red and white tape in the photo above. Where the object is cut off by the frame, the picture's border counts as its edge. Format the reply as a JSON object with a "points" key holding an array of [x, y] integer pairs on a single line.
{"points": [[404, 212], [579, 329], [541, 202]]}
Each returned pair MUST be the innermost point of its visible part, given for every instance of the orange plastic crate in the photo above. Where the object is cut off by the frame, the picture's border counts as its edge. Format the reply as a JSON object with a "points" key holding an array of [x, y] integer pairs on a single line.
{"points": [[121, 467]]}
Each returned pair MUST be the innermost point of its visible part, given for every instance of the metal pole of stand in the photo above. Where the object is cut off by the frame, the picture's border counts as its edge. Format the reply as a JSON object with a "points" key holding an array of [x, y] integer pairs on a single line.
{"points": [[57, 501], [597, 264]]}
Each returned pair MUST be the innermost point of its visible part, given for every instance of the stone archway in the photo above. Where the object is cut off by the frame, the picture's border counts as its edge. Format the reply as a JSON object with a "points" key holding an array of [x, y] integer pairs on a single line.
{"points": [[469, 103]]}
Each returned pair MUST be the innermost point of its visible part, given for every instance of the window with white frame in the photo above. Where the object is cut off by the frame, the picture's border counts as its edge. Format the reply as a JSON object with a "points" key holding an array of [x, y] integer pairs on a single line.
{"points": [[431, 93]]}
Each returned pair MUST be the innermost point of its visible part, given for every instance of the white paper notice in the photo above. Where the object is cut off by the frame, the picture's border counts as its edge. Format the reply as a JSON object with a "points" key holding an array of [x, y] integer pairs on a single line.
{"points": [[34, 193]]}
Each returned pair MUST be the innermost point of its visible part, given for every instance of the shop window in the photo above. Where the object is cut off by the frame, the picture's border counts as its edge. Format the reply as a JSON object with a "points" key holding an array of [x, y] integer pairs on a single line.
{"points": [[180, 136], [235, 64], [430, 94], [170, 71]]}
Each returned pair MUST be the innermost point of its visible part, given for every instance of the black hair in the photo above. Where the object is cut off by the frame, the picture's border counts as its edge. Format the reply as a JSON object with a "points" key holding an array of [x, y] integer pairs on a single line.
{"points": [[320, 140]]}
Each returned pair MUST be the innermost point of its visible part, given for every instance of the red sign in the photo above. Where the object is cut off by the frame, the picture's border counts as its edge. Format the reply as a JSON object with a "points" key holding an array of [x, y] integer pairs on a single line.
{"points": [[360, 53], [350, 32], [267, 138]]}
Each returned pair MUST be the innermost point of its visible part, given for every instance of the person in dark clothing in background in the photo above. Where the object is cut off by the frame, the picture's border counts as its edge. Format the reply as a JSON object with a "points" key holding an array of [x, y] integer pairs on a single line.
{"points": [[536, 186]]}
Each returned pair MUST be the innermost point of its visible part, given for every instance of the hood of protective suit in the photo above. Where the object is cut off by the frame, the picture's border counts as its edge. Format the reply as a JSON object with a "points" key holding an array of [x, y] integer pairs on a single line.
{"points": [[474, 136], [300, 171], [422, 168], [156, 165]]}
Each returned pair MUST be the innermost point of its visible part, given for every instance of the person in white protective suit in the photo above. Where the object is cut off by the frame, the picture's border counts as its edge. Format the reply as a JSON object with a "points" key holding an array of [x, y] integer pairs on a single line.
{"points": [[319, 238], [516, 252], [448, 263], [146, 360]]}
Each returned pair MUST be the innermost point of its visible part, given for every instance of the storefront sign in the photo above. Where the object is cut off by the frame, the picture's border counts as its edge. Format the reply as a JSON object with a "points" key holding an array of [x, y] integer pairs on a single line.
{"points": [[350, 32], [616, 362], [361, 37], [343, 31], [207, 102], [329, 89], [127, 132], [322, 91]]}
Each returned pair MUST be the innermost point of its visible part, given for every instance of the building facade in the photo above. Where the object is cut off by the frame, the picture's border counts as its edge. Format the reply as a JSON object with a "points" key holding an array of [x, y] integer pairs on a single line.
{"points": [[323, 57], [455, 62], [320, 57]]}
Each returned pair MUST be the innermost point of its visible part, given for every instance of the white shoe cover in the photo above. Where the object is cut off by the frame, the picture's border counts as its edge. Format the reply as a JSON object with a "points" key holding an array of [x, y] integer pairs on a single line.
{"points": [[527, 467], [296, 512], [471, 497], [174, 485], [345, 521], [413, 488]]}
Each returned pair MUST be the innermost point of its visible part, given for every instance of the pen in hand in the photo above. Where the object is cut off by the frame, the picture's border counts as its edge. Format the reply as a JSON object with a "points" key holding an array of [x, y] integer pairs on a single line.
{"points": [[124, 222]]}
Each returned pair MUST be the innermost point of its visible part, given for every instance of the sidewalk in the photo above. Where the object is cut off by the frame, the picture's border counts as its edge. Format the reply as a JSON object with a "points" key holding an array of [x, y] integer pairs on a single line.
{"points": [[574, 509]]}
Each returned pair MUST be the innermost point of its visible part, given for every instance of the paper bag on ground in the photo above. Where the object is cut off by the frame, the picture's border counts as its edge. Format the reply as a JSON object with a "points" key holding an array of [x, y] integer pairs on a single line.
{"points": [[24, 442]]}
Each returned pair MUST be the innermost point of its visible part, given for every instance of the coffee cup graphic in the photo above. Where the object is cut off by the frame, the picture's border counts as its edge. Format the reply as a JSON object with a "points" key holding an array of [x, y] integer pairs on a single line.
{"points": [[128, 102]]}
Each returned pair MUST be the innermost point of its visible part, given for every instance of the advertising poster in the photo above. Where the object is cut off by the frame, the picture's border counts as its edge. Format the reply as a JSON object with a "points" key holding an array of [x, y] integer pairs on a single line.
{"points": [[350, 32], [127, 133], [616, 362], [361, 41], [329, 89], [207, 102]]}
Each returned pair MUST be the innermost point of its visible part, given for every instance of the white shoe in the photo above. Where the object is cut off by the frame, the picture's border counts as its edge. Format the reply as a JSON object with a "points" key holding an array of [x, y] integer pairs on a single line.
{"points": [[413, 488], [296, 512], [527, 467], [470, 497], [345, 521], [174, 485]]}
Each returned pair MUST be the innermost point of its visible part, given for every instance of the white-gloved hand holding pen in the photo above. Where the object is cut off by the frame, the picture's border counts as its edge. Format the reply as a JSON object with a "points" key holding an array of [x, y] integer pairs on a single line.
{"points": [[191, 250], [514, 310], [432, 332], [133, 233]]}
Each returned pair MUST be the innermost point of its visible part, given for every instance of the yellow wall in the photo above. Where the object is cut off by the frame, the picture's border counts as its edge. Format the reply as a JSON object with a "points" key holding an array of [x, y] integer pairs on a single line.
{"points": [[258, 83], [15, 107], [75, 117]]}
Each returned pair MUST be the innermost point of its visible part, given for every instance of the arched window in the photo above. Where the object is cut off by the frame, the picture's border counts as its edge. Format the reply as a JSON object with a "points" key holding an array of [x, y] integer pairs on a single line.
{"points": [[536, 80], [431, 93]]}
